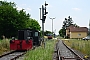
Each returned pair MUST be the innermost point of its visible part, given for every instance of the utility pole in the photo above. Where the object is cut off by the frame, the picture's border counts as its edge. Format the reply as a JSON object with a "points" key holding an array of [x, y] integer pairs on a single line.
{"points": [[52, 24], [43, 17]]}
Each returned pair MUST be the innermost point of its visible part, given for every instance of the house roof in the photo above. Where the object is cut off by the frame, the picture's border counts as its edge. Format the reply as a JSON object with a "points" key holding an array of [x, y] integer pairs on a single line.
{"points": [[77, 29]]}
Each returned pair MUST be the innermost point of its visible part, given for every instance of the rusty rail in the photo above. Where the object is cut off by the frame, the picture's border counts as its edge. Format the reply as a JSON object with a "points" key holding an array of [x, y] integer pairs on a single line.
{"points": [[12, 55], [6, 54], [18, 56]]}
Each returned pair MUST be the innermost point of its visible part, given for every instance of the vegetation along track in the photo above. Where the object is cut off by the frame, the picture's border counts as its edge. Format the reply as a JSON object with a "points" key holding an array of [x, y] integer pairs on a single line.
{"points": [[66, 53], [12, 55]]}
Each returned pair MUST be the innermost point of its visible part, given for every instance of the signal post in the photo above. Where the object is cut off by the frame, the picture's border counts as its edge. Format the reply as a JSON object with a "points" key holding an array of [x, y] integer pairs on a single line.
{"points": [[43, 17]]}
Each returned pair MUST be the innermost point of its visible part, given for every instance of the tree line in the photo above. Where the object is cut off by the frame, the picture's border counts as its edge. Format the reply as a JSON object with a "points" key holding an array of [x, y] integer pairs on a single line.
{"points": [[11, 20]]}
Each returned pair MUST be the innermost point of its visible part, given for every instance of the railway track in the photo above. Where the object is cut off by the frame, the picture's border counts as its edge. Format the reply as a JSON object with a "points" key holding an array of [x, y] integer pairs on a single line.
{"points": [[12, 55], [66, 53]]}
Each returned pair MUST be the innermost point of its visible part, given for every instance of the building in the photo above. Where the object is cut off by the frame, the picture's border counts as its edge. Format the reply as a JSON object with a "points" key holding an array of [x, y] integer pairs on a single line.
{"points": [[76, 32]]}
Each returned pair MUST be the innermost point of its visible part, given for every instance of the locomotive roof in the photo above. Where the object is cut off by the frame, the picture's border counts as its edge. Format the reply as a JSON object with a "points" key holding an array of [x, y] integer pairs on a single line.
{"points": [[29, 29]]}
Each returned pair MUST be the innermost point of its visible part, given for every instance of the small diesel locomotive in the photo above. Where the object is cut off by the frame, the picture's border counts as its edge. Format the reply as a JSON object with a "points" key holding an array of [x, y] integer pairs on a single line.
{"points": [[27, 38]]}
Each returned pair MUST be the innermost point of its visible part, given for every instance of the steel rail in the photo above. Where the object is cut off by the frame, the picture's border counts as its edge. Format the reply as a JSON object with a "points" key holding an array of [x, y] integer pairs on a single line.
{"points": [[77, 56], [7, 53], [12, 55], [17, 56], [59, 57]]}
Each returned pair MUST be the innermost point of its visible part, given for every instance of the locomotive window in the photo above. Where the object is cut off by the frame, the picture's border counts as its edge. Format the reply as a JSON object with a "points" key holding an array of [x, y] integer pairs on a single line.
{"points": [[36, 33], [20, 35], [29, 33]]}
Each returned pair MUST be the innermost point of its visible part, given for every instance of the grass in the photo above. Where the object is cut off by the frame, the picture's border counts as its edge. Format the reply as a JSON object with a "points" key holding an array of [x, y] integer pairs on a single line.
{"points": [[41, 53], [81, 45], [4, 46]]}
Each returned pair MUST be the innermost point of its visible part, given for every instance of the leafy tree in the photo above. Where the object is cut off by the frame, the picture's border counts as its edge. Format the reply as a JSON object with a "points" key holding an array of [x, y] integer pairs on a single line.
{"points": [[66, 23], [47, 32], [22, 19], [3, 3], [61, 32], [33, 24], [75, 25], [11, 19]]}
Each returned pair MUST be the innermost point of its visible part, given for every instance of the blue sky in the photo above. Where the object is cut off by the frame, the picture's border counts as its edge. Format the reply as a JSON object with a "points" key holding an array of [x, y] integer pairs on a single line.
{"points": [[79, 10]]}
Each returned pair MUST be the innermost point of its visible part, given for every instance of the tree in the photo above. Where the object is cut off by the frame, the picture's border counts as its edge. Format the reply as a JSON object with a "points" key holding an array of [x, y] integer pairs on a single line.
{"points": [[66, 23], [61, 32], [75, 25], [47, 32], [11, 19], [33, 24], [5, 3], [22, 19]]}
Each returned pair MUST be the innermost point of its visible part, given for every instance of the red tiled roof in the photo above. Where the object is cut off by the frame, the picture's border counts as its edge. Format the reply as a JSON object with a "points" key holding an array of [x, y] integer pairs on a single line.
{"points": [[77, 29]]}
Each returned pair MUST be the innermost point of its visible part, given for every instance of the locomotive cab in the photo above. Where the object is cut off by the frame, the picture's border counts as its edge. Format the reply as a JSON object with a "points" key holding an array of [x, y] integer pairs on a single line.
{"points": [[24, 34], [32, 34], [24, 41], [27, 38]]}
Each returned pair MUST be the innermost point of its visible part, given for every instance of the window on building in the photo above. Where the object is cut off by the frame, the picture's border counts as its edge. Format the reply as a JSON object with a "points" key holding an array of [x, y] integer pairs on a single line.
{"points": [[79, 34]]}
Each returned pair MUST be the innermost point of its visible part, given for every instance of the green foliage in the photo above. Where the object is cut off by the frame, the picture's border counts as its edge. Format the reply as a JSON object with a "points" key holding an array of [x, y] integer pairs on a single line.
{"points": [[8, 16], [67, 22], [75, 25], [11, 20], [62, 32], [47, 32], [22, 20], [33, 24], [3, 3]]}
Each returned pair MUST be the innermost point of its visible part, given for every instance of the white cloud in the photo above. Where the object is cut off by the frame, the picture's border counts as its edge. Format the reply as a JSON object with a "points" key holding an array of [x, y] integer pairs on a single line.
{"points": [[76, 9]]}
